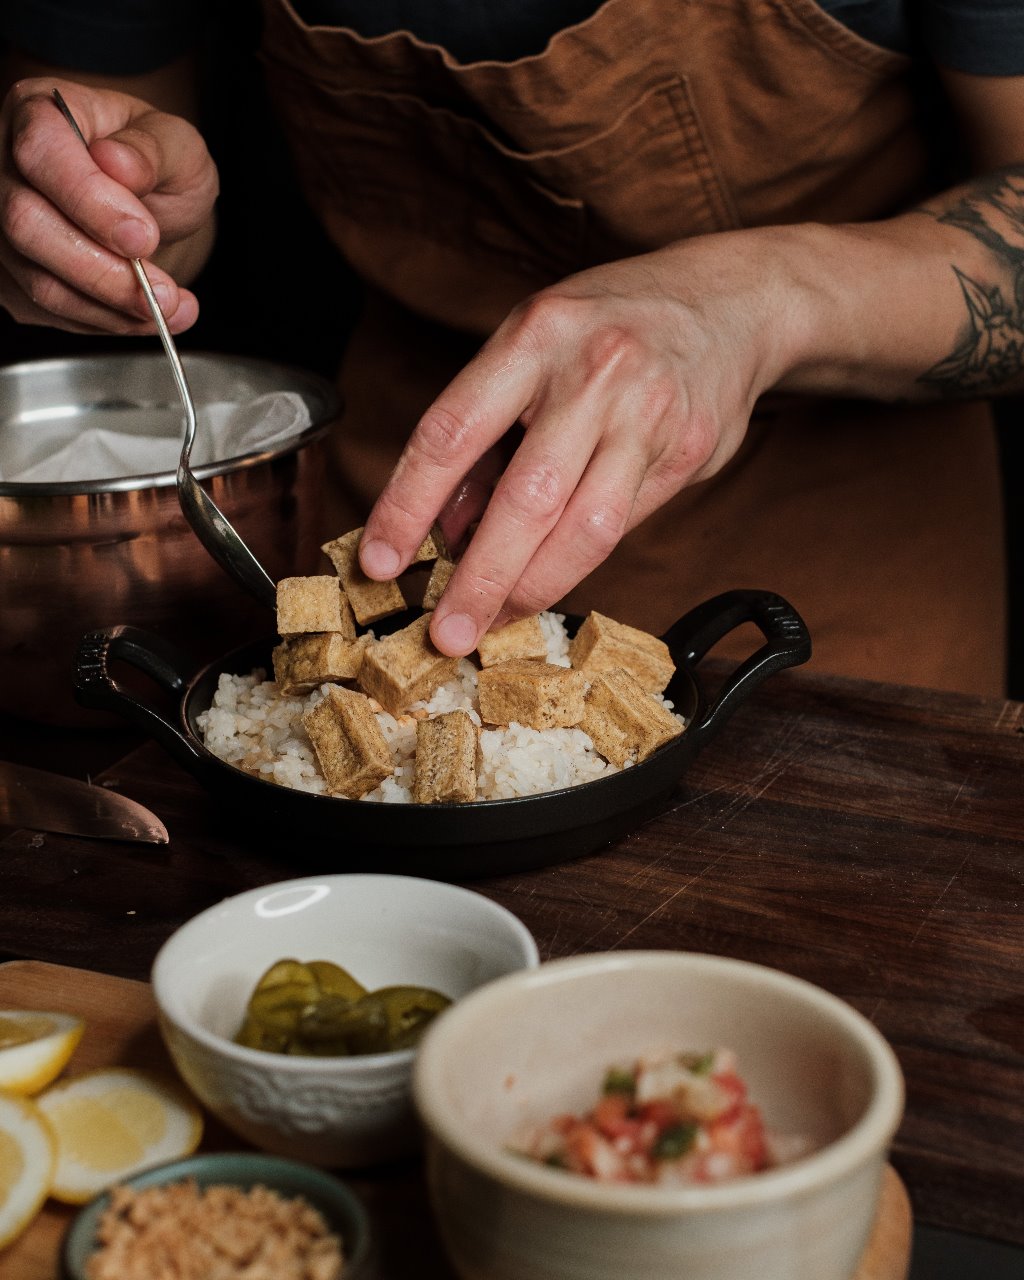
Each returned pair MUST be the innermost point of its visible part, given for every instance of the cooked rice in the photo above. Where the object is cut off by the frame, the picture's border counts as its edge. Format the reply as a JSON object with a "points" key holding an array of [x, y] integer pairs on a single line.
{"points": [[253, 726]]}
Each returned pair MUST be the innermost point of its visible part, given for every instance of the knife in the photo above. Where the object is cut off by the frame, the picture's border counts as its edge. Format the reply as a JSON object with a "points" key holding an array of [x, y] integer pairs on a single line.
{"points": [[47, 801]]}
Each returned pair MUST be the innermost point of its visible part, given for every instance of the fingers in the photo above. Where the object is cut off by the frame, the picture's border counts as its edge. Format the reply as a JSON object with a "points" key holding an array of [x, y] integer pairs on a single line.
{"points": [[35, 298], [24, 311], [472, 414], [469, 500], [528, 502], [70, 214], [621, 405], [599, 513], [106, 294], [48, 156]]}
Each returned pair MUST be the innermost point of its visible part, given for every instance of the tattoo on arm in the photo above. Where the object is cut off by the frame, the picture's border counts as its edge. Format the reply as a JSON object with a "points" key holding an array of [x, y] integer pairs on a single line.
{"points": [[990, 352]]}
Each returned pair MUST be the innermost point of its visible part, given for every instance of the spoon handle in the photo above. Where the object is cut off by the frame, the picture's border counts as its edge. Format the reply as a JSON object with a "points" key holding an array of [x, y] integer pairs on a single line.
{"points": [[214, 530]]}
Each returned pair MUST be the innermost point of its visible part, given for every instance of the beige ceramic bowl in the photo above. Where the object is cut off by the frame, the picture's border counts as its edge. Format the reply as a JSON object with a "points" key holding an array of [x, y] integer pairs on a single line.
{"points": [[386, 930], [534, 1044]]}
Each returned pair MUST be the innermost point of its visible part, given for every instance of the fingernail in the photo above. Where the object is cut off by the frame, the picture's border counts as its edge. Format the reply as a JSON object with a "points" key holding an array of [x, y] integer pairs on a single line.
{"points": [[165, 297], [456, 634], [133, 237], [378, 558]]}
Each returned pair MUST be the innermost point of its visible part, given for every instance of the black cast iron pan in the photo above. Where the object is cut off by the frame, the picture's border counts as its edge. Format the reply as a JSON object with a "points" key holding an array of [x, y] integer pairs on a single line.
{"points": [[488, 837]]}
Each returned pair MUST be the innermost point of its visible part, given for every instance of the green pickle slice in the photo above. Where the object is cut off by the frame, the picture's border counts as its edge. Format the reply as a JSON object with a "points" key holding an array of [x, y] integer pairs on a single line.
{"points": [[335, 981], [319, 1009]]}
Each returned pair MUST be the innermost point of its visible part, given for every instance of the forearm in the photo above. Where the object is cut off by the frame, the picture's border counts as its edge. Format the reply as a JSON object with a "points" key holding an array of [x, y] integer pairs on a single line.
{"points": [[926, 305]]}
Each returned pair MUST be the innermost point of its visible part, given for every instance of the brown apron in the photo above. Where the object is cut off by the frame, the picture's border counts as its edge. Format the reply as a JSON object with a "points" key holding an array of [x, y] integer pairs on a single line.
{"points": [[455, 190]]}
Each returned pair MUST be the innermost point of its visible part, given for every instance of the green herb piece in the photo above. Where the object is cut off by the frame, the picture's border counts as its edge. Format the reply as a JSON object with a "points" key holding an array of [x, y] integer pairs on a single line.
{"points": [[619, 1080], [674, 1142], [700, 1064]]}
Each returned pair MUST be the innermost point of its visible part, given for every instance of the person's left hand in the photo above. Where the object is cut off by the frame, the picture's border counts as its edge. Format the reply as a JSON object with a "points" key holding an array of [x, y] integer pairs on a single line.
{"points": [[630, 380]]}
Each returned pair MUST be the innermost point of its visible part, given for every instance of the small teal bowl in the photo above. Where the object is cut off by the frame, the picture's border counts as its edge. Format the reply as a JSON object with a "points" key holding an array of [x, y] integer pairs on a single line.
{"points": [[342, 1211]]}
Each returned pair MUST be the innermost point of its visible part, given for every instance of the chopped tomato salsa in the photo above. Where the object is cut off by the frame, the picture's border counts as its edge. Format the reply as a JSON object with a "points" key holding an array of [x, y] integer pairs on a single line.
{"points": [[674, 1120]]}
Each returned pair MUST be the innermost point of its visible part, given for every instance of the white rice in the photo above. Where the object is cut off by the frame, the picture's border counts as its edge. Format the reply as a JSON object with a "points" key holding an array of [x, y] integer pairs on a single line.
{"points": [[253, 726]]}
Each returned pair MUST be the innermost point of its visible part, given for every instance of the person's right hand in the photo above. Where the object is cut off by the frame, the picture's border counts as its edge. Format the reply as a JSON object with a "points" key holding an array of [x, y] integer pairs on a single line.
{"points": [[71, 217]]}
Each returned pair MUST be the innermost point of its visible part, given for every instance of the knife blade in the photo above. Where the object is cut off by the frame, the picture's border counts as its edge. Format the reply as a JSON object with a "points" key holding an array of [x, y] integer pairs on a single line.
{"points": [[47, 801]]}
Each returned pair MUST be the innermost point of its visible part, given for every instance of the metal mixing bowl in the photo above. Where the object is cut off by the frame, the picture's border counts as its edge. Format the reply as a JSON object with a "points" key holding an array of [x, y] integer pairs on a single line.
{"points": [[78, 555]]}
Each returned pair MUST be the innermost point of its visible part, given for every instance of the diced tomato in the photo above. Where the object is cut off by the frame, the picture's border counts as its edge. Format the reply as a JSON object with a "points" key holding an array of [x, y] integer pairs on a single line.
{"points": [[698, 1129], [661, 1112], [611, 1113], [735, 1092], [742, 1136], [589, 1152]]}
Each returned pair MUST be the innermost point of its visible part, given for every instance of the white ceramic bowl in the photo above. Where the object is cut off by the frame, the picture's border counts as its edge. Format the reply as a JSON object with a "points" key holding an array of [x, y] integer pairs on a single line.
{"points": [[385, 930], [535, 1044]]}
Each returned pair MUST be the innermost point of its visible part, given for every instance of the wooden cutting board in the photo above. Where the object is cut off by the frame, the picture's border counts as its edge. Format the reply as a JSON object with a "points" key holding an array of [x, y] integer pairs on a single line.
{"points": [[121, 1029]]}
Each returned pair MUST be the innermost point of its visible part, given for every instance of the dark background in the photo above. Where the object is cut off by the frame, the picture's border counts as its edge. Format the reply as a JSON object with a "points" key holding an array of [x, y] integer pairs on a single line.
{"points": [[276, 288]]}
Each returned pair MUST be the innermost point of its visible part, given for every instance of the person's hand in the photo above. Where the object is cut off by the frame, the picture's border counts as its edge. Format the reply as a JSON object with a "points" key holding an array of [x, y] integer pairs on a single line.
{"points": [[630, 380], [70, 217]]}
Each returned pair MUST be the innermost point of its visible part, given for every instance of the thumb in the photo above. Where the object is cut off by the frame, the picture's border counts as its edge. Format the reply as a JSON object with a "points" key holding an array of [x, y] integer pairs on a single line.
{"points": [[163, 160]]}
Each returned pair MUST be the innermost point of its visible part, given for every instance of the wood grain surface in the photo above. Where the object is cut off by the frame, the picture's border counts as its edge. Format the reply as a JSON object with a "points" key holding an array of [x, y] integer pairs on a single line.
{"points": [[868, 838], [121, 1030]]}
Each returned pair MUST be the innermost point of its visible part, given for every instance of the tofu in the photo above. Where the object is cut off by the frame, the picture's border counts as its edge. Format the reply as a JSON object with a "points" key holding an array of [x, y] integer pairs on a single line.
{"points": [[445, 759], [624, 721], [303, 663], [602, 644], [404, 667], [370, 600], [353, 753], [521, 639], [440, 576], [433, 547], [536, 694], [312, 604]]}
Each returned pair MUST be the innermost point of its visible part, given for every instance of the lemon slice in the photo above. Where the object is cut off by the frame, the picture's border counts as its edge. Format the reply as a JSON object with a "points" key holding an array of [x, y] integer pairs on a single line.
{"points": [[34, 1047], [28, 1156], [113, 1122]]}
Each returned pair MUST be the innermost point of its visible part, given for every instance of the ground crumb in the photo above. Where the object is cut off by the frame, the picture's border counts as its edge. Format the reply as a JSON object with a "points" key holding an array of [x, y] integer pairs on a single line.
{"points": [[178, 1232]]}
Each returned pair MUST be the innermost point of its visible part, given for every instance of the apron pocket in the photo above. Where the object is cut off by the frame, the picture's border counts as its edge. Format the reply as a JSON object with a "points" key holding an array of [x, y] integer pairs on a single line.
{"points": [[393, 161]]}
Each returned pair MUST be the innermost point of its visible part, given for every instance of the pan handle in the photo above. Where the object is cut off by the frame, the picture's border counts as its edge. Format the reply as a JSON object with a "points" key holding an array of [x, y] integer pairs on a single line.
{"points": [[787, 644], [96, 687]]}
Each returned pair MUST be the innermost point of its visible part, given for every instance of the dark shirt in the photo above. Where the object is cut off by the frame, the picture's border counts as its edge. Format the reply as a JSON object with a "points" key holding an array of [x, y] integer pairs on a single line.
{"points": [[120, 37]]}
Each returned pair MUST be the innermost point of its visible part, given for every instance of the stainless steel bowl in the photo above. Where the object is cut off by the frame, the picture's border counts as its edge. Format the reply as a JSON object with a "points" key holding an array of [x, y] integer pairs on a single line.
{"points": [[80, 555]]}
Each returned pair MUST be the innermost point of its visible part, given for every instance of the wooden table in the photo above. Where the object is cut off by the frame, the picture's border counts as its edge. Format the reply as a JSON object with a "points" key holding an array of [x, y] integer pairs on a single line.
{"points": [[868, 838]]}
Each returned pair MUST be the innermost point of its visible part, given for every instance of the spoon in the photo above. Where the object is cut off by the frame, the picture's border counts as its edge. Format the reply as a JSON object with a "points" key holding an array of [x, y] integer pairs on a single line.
{"points": [[208, 522]]}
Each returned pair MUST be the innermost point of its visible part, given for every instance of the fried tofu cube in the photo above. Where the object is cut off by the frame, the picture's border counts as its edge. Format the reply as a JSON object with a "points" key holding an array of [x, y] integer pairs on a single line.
{"points": [[440, 576], [624, 721], [433, 547], [370, 600], [536, 694], [349, 743], [315, 603], [521, 639], [404, 667], [602, 644], [445, 759], [302, 663]]}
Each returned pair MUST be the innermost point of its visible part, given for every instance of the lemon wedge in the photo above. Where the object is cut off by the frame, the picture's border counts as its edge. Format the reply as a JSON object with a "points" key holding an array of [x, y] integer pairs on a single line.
{"points": [[111, 1123], [28, 1156], [35, 1047]]}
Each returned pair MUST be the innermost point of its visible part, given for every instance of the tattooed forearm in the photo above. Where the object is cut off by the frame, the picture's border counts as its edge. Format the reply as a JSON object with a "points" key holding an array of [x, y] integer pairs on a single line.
{"points": [[990, 352]]}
